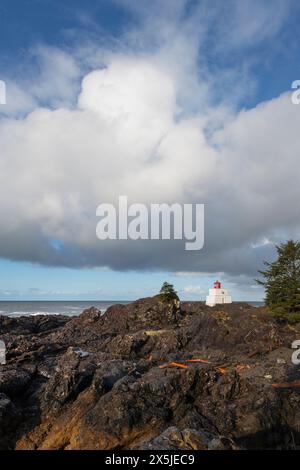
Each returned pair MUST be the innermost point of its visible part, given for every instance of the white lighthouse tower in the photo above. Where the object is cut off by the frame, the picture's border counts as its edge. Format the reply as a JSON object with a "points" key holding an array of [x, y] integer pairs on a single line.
{"points": [[218, 295]]}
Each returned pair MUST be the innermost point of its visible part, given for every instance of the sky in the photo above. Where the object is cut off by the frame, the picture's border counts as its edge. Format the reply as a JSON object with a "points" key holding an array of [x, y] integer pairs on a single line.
{"points": [[168, 101]]}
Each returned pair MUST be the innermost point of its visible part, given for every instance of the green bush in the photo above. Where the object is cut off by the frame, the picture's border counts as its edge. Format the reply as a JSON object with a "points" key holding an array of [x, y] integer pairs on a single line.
{"points": [[282, 282]]}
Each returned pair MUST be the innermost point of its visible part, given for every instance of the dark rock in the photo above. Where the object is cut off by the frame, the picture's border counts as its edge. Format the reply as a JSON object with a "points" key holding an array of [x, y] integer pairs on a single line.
{"points": [[14, 380], [73, 375], [10, 417], [187, 439]]}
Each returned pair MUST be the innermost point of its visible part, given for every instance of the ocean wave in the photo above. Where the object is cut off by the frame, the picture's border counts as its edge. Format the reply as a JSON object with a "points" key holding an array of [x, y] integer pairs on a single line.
{"points": [[26, 314], [75, 308], [66, 310], [35, 314]]}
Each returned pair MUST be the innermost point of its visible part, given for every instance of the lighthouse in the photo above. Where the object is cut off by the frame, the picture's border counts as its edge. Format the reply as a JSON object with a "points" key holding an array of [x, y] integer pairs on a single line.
{"points": [[218, 295]]}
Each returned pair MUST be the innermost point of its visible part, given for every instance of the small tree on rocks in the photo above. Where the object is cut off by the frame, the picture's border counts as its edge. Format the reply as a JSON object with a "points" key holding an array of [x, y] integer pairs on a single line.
{"points": [[167, 292]]}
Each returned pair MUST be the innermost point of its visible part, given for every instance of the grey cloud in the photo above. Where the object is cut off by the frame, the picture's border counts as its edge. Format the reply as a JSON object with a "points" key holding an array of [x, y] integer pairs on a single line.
{"points": [[58, 165]]}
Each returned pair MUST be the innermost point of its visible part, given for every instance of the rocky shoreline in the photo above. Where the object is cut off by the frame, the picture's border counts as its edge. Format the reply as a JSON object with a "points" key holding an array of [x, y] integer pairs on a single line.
{"points": [[150, 375]]}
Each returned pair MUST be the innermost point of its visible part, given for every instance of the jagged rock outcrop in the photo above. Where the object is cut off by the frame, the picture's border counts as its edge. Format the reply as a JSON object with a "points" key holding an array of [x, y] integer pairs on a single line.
{"points": [[101, 382]]}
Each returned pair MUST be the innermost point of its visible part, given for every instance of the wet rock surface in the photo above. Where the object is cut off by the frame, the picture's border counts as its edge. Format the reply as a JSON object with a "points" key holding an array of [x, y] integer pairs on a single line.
{"points": [[150, 375]]}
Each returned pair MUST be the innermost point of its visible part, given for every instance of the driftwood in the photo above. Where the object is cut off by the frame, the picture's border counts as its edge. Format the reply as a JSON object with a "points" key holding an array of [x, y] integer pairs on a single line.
{"points": [[295, 384], [204, 361], [183, 363], [173, 364]]}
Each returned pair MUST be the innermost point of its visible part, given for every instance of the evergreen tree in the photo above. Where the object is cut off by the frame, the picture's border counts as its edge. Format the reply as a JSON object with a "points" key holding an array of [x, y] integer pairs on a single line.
{"points": [[167, 291], [282, 282]]}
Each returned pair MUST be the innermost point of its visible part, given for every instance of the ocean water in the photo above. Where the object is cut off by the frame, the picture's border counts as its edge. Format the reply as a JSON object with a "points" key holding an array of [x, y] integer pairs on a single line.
{"points": [[69, 308], [256, 304]]}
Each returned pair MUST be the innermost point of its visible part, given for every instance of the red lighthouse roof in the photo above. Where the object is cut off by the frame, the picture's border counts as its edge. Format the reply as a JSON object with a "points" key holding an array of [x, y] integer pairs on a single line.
{"points": [[217, 285]]}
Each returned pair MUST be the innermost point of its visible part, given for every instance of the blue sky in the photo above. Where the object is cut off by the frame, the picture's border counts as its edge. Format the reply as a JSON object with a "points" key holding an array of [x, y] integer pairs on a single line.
{"points": [[25, 24], [225, 69]]}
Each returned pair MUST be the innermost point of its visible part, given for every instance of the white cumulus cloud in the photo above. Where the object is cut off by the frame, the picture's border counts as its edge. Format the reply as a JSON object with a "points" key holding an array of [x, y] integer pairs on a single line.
{"points": [[142, 125]]}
